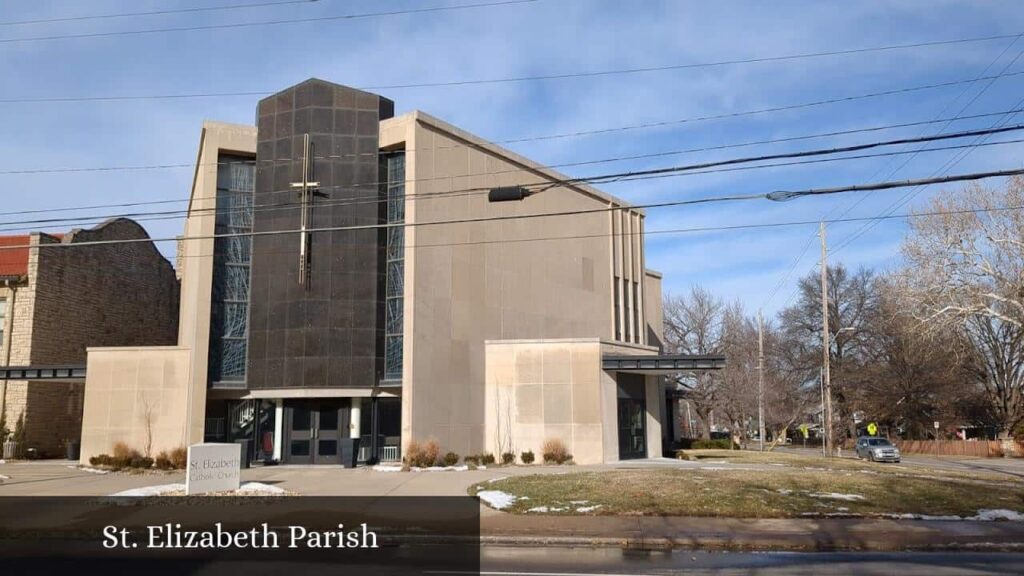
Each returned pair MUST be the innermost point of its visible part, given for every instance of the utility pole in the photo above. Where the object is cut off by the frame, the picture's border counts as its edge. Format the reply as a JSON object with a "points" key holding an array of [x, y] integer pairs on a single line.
{"points": [[825, 347], [760, 378], [821, 384]]}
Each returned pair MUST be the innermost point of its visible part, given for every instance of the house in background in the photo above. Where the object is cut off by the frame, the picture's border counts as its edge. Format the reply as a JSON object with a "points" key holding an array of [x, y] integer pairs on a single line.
{"points": [[57, 298]]}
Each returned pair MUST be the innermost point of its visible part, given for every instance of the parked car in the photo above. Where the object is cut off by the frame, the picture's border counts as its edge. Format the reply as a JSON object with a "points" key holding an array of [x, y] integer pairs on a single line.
{"points": [[877, 449]]}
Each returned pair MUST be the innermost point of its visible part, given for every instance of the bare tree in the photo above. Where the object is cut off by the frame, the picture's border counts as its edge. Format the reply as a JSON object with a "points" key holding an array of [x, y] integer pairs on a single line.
{"points": [[737, 391], [148, 417], [915, 377], [694, 325], [853, 300], [965, 273]]}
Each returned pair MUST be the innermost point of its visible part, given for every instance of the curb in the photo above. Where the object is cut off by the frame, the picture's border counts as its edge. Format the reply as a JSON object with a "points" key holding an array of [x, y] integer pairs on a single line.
{"points": [[810, 544]]}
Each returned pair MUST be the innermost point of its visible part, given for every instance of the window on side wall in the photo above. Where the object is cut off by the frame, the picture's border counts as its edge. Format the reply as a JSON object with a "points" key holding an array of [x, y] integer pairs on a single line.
{"points": [[3, 321]]}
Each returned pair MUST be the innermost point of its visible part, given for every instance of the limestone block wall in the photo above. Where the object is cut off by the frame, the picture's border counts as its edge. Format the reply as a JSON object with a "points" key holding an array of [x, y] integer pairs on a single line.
{"points": [[138, 396], [106, 295], [75, 297], [540, 389]]}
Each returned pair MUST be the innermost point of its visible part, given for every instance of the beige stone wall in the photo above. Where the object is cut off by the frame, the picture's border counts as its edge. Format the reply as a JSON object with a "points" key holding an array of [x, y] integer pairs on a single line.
{"points": [[197, 263], [655, 318], [131, 392], [19, 317], [526, 278], [537, 390], [540, 389]]}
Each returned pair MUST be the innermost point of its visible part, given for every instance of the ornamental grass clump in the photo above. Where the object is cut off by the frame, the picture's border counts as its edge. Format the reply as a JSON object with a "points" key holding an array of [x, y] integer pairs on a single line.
{"points": [[555, 451]]}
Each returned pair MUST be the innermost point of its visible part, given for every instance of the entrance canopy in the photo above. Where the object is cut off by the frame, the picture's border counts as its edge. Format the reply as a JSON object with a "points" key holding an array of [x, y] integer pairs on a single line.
{"points": [[661, 364]]}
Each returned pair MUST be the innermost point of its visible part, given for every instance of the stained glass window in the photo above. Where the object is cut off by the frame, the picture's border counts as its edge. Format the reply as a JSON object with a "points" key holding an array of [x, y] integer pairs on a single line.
{"points": [[229, 320], [395, 267]]}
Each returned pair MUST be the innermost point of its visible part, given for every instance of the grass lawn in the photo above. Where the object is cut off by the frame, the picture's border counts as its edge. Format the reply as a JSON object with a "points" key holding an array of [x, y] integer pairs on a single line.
{"points": [[762, 489]]}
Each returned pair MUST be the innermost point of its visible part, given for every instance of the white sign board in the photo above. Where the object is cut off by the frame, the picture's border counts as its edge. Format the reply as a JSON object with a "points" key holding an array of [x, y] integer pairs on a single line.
{"points": [[936, 425], [213, 468]]}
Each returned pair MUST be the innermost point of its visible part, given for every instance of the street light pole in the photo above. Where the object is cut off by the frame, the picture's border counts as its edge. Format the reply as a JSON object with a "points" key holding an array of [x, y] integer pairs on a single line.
{"points": [[760, 378], [825, 347]]}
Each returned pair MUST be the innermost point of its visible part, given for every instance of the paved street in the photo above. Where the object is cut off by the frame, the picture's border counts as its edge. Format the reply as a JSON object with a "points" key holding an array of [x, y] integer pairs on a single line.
{"points": [[499, 561], [1008, 466]]}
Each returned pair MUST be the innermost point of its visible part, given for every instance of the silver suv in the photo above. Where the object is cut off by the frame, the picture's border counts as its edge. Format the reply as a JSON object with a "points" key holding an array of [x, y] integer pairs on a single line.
{"points": [[877, 449]]}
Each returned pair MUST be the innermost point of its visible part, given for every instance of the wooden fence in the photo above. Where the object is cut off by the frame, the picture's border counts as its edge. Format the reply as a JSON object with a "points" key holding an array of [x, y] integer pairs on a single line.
{"points": [[979, 448]]}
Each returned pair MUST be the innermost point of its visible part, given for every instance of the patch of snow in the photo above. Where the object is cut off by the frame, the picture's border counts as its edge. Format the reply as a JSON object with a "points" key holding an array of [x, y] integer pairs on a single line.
{"points": [[578, 501], [784, 491], [498, 479], [89, 469], [260, 488], [386, 468], [497, 499], [999, 514], [831, 515], [2, 477], [152, 490], [163, 489], [588, 508], [397, 468], [843, 509], [836, 496], [2, 461], [920, 517], [462, 468], [545, 509]]}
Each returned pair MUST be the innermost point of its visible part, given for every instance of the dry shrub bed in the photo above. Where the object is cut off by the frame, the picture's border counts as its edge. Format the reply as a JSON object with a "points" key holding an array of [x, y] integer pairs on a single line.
{"points": [[128, 459]]}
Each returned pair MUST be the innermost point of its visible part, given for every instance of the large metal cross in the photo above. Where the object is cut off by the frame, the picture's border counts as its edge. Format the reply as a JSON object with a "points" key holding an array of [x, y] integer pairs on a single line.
{"points": [[306, 189]]}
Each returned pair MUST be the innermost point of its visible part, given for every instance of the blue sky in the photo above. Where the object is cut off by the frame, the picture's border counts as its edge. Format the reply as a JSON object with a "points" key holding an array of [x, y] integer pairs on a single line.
{"points": [[543, 37]]}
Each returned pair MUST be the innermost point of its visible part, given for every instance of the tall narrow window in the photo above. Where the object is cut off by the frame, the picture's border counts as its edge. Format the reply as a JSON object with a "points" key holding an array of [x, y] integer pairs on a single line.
{"points": [[618, 309], [636, 313], [629, 309], [229, 317], [3, 321], [395, 289]]}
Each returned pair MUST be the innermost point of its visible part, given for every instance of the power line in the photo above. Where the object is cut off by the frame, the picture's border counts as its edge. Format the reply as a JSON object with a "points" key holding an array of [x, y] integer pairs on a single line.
{"points": [[949, 164], [193, 165], [779, 196], [695, 169], [153, 13], [668, 231], [264, 22], [853, 205], [800, 154], [450, 83]]}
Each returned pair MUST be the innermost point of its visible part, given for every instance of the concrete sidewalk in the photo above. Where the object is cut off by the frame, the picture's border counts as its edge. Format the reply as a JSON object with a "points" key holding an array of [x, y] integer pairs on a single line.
{"points": [[831, 534]]}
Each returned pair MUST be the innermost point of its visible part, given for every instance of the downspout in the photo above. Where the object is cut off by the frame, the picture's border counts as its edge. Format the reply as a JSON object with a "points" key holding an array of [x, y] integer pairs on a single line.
{"points": [[13, 287]]}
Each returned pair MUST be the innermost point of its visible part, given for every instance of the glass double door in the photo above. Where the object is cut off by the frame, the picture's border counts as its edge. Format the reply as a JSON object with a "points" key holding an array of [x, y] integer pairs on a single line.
{"points": [[315, 429], [632, 412]]}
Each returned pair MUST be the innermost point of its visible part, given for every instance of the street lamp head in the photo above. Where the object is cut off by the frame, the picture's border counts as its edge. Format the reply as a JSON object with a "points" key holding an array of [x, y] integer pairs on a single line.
{"points": [[508, 194]]}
